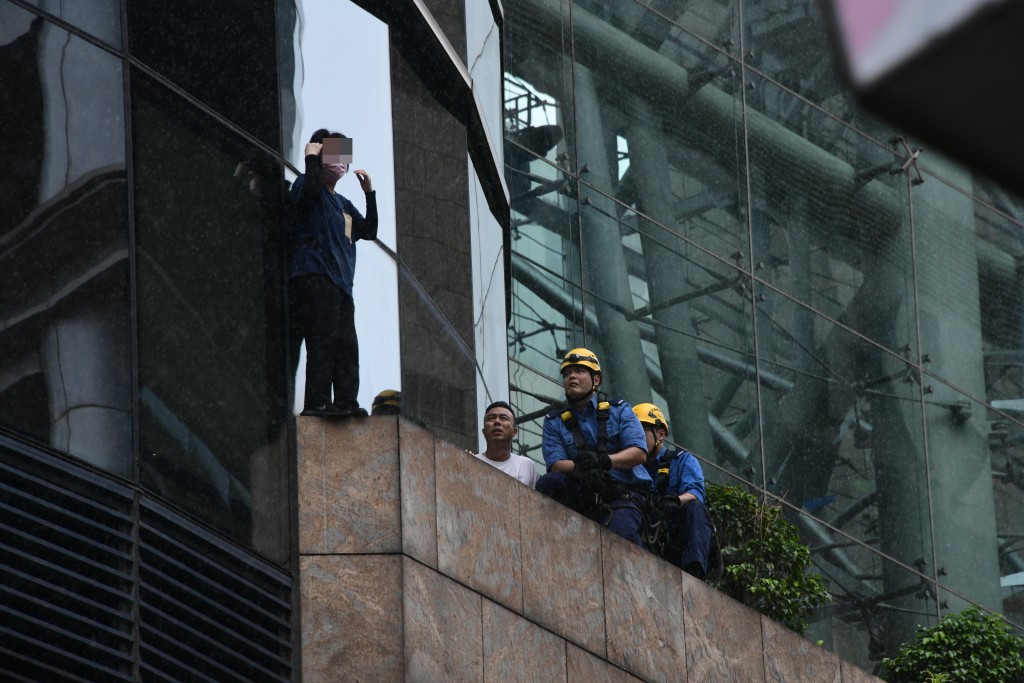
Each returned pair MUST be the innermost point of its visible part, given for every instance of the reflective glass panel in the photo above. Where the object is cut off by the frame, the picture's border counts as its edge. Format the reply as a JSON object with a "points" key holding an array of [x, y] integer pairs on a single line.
{"points": [[829, 228], [224, 54], [548, 316], [969, 249], [436, 303], [65, 345], [212, 376], [684, 32], [101, 18], [538, 93], [654, 136], [976, 496], [788, 41], [877, 604], [845, 441], [483, 43]]}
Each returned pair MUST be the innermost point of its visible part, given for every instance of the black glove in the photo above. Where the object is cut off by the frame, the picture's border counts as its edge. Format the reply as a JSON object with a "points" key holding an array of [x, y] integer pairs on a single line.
{"points": [[589, 460], [585, 462], [594, 481], [669, 505]]}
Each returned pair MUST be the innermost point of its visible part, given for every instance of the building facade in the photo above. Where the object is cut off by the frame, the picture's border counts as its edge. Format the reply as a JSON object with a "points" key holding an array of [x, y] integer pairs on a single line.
{"points": [[827, 316], [147, 428], [824, 315]]}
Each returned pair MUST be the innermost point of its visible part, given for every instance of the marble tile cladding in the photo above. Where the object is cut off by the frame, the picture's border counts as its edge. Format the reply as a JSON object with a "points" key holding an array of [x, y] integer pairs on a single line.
{"points": [[791, 658], [478, 526], [351, 606], [723, 636], [351, 484], [643, 610], [309, 437], [443, 627], [419, 495], [518, 650], [563, 587], [583, 667], [850, 673]]}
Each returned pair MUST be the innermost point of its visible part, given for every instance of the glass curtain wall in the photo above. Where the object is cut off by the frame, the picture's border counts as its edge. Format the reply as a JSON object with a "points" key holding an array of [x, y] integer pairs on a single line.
{"points": [[141, 309], [696, 198]]}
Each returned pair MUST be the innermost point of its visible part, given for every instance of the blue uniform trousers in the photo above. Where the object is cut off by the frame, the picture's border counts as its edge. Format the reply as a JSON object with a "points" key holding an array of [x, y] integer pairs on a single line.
{"points": [[620, 516], [689, 534]]}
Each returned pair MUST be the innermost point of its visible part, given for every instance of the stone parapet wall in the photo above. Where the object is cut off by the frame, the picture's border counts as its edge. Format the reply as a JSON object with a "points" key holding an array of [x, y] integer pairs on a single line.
{"points": [[419, 562]]}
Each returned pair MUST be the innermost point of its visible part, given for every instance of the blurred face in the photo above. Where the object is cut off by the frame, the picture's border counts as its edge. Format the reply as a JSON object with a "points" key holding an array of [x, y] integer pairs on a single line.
{"points": [[654, 436], [337, 151], [499, 427], [334, 159], [579, 383]]}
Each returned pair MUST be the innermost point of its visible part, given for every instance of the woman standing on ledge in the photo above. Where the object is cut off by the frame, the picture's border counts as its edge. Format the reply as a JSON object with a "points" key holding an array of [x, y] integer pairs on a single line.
{"points": [[323, 265]]}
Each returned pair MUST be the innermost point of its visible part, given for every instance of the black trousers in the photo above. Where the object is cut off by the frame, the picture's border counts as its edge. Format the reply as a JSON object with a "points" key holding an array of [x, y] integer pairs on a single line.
{"points": [[326, 320]]}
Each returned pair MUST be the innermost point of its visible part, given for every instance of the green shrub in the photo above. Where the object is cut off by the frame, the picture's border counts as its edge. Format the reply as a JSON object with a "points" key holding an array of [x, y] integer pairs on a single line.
{"points": [[765, 561], [969, 647]]}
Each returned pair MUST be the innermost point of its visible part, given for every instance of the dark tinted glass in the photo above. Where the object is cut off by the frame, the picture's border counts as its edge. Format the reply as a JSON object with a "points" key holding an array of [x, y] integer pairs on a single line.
{"points": [[65, 350], [212, 376], [100, 18], [223, 53]]}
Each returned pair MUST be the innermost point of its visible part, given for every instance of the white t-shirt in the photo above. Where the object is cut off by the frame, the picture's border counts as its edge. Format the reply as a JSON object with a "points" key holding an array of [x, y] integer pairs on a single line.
{"points": [[518, 466]]}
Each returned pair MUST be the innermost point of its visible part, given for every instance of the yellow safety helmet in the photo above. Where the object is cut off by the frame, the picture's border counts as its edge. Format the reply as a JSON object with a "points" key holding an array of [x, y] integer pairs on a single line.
{"points": [[584, 357], [387, 402], [650, 414]]}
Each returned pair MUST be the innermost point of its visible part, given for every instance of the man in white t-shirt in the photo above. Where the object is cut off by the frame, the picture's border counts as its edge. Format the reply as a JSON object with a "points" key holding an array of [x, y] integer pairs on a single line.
{"points": [[499, 430]]}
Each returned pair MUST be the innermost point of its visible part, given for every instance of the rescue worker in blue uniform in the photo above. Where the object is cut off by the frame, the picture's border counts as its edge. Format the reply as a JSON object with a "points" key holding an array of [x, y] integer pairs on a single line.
{"points": [[679, 485], [595, 452]]}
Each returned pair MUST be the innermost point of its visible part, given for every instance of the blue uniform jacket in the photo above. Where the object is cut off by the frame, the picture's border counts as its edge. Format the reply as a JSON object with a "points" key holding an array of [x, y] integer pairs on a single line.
{"points": [[623, 430], [684, 475]]}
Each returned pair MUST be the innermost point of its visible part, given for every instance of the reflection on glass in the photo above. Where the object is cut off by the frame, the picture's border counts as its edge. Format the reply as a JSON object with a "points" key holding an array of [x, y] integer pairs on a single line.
{"points": [[212, 376], [223, 54], [438, 389], [999, 224], [788, 41], [64, 336], [658, 124], [538, 99], [483, 47], [876, 604], [548, 317], [101, 18], [841, 247], [977, 497], [844, 441]]}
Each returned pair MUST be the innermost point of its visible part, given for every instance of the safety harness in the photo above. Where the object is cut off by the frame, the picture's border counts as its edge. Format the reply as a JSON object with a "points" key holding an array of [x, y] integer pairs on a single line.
{"points": [[615, 494], [573, 425], [655, 533], [656, 525]]}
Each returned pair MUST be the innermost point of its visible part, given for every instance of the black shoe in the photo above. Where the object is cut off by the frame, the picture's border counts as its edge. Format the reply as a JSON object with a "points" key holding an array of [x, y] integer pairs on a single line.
{"points": [[319, 411], [339, 411]]}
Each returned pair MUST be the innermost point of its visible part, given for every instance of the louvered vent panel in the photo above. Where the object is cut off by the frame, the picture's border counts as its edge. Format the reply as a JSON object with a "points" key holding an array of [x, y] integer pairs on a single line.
{"points": [[65, 571], [208, 611]]}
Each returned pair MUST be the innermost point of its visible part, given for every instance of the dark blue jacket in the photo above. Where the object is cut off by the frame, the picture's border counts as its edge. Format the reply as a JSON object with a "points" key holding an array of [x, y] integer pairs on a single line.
{"points": [[322, 245]]}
